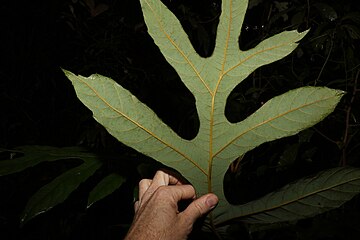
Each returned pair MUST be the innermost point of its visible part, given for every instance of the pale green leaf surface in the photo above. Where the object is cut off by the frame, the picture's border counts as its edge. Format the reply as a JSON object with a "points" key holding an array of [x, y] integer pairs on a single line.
{"points": [[105, 187], [134, 124], [205, 159], [34, 155], [59, 189], [302, 199], [170, 37], [282, 116]]}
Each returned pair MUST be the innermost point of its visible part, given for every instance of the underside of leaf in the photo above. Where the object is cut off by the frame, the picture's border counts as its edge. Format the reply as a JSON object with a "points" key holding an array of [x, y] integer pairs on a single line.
{"points": [[205, 159]]}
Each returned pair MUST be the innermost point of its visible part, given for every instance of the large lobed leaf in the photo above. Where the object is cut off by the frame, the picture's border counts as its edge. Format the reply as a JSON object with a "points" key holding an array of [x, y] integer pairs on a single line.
{"points": [[205, 159]]}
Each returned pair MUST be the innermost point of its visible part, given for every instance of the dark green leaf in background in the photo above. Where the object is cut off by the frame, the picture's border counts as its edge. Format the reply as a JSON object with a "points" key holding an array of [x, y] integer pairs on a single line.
{"points": [[306, 197], [59, 189], [105, 187]]}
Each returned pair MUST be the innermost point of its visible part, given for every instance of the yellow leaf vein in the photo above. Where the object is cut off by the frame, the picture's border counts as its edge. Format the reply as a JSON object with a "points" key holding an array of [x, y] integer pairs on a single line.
{"points": [[269, 120], [142, 127], [158, 19]]}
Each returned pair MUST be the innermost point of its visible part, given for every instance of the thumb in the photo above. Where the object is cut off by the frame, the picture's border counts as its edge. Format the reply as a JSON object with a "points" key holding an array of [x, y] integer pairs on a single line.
{"points": [[200, 207]]}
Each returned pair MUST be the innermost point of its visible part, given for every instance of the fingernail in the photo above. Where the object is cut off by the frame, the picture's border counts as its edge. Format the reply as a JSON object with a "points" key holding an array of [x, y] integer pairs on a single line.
{"points": [[211, 201]]}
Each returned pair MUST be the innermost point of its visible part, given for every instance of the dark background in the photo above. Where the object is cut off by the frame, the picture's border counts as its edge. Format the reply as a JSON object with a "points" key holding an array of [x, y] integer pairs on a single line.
{"points": [[39, 106]]}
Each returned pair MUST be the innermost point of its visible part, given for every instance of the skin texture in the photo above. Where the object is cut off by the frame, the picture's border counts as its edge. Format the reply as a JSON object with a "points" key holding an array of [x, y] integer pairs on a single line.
{"points": [[157, 215]]}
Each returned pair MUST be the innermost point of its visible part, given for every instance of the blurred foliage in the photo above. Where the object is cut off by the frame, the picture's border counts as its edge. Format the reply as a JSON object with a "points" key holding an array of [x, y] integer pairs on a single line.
{"points": [[109, 37]]}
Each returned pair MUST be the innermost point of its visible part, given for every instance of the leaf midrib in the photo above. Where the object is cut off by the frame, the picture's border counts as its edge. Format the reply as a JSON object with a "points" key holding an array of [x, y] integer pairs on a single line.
{"points": [[213, 95]]}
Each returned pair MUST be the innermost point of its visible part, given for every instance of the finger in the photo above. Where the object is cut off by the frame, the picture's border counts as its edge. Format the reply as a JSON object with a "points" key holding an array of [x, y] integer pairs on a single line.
{"points": [[136, 206], [144, 185], [162, 178], [200, 207], [174, 180], [182, 192], [175, 177], [158, 180]]}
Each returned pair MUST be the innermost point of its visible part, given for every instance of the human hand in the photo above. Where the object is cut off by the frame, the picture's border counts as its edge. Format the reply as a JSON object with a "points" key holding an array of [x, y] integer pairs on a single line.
{"points": [[156, 212]]}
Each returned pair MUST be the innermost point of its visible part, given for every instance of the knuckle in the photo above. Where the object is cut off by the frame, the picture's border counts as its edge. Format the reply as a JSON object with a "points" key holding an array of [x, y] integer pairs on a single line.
{"points": [[143, 181], [200, 208], [162, 192]]}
